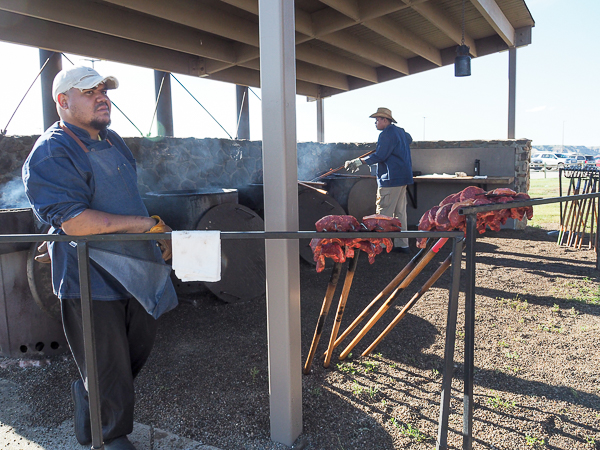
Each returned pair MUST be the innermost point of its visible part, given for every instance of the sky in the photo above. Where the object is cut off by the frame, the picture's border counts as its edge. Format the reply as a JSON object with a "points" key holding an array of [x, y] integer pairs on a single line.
{"points": [[558, 93]]}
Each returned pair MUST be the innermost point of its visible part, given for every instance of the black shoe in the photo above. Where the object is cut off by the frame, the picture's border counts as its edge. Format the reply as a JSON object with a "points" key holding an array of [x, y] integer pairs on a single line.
{"points": [[120, 443], [405, 250], [83, 431]]}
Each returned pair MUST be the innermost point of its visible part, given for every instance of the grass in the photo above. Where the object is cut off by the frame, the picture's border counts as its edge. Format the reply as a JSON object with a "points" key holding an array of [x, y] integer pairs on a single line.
{"points": [[497, 402], [545, 188], [410, 431]]}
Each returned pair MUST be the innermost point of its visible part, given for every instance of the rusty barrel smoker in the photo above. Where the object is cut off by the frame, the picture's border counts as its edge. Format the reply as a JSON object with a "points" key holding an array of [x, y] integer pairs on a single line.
{"points": [[30, 323]]}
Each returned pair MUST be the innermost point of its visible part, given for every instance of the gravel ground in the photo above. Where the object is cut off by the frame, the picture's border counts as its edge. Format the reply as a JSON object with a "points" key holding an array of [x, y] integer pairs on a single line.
{"points": [[537, 383]]}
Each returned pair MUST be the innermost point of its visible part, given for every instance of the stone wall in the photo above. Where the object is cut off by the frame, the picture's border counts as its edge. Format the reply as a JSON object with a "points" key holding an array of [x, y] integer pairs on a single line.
{"points": [[174, 163]]}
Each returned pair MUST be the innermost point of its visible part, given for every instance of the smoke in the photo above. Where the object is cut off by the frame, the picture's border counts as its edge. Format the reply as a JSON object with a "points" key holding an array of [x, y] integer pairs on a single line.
{"points": [[12, 195]]}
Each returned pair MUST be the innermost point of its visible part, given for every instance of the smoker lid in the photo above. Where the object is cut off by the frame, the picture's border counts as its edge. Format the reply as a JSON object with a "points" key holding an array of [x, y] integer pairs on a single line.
{"points": [[242, 260], [312, 206]]}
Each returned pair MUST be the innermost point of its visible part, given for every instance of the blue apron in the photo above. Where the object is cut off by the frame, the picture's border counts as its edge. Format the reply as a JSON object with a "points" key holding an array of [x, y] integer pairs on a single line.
{"points": [[137, 265]]}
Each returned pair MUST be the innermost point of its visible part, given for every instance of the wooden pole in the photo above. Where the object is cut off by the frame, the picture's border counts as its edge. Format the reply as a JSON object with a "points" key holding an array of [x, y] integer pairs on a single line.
{"points": [[438, 273], [341, 306], [386, 291], [335, 275], [386, 305]]}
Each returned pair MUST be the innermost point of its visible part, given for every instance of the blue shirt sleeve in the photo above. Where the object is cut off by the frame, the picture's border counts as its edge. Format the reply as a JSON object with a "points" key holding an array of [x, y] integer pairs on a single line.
{"points": [[385, 145], [56, 187]]}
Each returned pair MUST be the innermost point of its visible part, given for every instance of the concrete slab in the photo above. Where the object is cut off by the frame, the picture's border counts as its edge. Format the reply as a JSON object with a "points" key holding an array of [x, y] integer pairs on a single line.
{"points": [[16, 434]]}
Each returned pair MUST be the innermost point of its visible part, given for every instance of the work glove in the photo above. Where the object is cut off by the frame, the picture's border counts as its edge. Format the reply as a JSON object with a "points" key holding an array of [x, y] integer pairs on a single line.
{"points": [[353, 165], [165, 244], [44, 255]]}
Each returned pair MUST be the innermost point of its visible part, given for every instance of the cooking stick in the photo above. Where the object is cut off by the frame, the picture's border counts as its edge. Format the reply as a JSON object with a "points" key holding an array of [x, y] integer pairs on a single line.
{"points": [[386, 305], [383, 294], [341, 305], [590, 213], [570, 212], [577, 219], [339, 168], [586, 211], [573, 212], [438, 273], [335, 275], [563, 215]]}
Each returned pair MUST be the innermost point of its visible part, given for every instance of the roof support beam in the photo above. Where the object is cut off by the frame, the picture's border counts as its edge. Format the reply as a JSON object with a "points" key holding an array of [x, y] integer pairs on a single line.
{"points": [[117, 22], [311, 74], [496, 18], [197, 15], [439, 18], [347, 7], [406, 38], [350, 43], [62, 38]]}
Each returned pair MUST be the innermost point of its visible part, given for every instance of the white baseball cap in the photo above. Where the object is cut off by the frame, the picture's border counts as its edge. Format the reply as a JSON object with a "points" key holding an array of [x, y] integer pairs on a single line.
{"points": [[80, 77]]}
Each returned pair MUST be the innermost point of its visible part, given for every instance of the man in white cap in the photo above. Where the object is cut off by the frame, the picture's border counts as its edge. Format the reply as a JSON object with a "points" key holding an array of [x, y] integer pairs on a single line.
{"points": [[394, 170], [81, 179]]}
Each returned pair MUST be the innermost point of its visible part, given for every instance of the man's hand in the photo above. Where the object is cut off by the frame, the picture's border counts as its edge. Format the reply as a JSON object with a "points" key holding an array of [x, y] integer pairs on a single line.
{"points": [[353, 165], [165, 244]]}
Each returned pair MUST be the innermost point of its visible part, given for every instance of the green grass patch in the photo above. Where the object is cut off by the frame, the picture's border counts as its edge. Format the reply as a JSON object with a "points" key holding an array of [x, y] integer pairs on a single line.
{"points": [[546, 188]]}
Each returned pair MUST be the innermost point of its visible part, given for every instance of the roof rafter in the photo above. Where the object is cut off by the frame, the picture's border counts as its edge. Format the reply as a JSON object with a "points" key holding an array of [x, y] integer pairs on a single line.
{"points": [[496, 18], [405, 38], [439, 18], [108, 20]]}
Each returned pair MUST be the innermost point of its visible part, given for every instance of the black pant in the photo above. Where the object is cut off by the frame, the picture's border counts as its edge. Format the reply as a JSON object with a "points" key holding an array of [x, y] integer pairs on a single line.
{"points": [[124, 334]]}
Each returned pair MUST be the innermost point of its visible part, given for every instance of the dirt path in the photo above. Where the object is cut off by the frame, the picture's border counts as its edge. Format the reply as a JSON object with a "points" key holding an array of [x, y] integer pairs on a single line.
{"points": [[537, 380]]}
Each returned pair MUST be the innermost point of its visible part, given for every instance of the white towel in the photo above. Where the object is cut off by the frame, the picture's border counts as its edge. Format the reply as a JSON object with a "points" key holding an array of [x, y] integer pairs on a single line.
{"points": [[197, 255]]}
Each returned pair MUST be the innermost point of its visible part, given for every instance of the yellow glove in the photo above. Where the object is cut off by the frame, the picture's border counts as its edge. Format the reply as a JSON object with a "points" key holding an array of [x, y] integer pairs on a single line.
{"points": [[165, 244]]}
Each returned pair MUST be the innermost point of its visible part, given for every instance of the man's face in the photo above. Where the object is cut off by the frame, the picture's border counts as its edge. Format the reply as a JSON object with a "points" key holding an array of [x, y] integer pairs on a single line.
{"points": [[87, 109], [381, 123]]}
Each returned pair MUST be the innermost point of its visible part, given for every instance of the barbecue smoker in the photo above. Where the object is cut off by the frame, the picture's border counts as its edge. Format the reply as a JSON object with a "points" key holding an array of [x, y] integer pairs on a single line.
{"points": [[242, 262], [30, 323]]}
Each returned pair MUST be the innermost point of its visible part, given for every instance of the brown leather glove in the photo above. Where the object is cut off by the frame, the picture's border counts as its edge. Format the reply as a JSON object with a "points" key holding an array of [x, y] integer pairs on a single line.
{"points": [[165, 244], [44, 255]]}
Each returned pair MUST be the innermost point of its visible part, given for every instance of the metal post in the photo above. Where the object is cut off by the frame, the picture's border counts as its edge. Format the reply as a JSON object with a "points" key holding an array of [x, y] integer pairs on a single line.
{"points": [[243, 112], [47, 77], [280, 168], [89, 344], [442, 441], [164, 110], [512, 91], [320, 121], [469, 332]]}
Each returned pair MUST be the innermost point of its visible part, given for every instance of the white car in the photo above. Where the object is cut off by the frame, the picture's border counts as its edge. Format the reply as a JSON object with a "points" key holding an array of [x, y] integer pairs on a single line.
{"points": [[548, 160]]}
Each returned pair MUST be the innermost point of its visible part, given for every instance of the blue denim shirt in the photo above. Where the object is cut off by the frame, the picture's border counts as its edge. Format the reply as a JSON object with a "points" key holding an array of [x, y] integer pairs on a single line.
{"points": [[60, 184], [392, 156]]}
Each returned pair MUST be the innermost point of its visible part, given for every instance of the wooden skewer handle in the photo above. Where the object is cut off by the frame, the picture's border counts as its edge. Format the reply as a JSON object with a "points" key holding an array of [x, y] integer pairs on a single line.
{"points": [[438, 273]]}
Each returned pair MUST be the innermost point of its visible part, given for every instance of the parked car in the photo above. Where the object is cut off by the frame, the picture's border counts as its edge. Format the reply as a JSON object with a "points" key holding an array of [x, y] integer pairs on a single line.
{"points": [[590, 159], [548, 160], [562, 157], [577, 159]]}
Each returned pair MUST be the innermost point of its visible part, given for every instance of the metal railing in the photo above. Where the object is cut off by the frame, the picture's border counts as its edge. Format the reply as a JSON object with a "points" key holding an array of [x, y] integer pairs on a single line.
{"points": [[471, 237], [87, 313]]}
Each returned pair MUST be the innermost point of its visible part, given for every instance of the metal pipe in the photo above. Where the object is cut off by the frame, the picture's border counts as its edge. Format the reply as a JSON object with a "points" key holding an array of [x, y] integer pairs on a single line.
{"points": [[89, 344], [54, 66], [442, 440], [164, 107], [243, 112], [469, 332]]}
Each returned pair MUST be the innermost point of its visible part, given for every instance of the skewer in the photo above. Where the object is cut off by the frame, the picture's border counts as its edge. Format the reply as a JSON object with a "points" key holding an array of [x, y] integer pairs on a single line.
{"points": [[563, 213], [341, 305], [438, 273], [386, 305], [586, 207], [335, 275], [339, 168], [386, 291], [577, 218]]}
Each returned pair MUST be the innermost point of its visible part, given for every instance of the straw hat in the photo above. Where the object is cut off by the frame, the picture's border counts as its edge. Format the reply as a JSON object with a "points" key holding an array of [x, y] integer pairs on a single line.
{"points": [[383, 112]]}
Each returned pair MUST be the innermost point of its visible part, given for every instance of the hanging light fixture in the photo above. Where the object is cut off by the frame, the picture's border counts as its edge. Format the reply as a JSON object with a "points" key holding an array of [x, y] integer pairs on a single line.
{"points": [[462, 62]]}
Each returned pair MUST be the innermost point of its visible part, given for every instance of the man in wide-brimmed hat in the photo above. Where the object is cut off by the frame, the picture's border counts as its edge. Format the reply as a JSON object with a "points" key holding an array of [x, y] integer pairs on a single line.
{"points": [[394, 170]]}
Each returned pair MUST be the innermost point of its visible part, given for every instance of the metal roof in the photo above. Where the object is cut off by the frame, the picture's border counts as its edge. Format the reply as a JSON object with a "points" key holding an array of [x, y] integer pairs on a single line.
{"points": [[340, 44]]}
